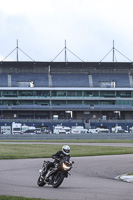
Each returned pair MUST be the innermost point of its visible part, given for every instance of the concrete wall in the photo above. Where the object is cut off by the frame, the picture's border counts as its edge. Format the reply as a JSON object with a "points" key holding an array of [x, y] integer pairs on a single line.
{"points": [[90, 136]]}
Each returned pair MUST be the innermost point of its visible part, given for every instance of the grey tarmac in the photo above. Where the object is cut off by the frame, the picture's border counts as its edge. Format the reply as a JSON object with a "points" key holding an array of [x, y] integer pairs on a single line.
{"points": [[74, 143], [92, 178]]}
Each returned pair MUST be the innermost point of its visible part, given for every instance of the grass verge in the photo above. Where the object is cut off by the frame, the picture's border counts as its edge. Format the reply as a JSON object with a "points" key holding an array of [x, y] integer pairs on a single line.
{"points": [[131, 173], [23, 151], [5, 197]]}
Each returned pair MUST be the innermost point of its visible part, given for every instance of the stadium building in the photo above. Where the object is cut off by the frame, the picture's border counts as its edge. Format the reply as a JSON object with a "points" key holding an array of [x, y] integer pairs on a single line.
{"points": [[44, 93]]}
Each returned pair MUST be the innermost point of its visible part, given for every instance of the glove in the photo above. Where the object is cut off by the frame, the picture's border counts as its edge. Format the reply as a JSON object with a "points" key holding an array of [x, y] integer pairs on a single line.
{"points": [[61, 155]]}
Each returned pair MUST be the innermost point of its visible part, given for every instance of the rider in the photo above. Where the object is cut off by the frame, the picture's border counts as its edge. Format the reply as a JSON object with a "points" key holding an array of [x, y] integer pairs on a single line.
{"points": [[65, 152], [59, 154]]}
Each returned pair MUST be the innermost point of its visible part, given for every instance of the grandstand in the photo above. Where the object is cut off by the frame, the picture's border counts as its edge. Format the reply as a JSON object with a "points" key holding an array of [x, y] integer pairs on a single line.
{"points": [[68, 90]]}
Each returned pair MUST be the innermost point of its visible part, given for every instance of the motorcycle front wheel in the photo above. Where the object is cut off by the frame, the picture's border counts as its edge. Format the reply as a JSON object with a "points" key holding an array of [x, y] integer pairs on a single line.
{"points": [[58, 180], [40, 182]]}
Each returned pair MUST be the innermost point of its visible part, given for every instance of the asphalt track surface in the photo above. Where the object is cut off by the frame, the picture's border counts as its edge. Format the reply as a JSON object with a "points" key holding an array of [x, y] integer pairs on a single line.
{"points": [[91, 178], [89, 144]]}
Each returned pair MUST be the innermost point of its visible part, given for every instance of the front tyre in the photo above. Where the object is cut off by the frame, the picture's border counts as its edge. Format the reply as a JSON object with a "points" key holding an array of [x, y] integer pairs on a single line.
{"points": [[40, 182], [58, 180]]}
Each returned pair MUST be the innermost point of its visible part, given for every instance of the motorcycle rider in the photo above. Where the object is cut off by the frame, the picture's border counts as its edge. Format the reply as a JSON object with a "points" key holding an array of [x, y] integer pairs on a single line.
{"points": [[59, 155]]}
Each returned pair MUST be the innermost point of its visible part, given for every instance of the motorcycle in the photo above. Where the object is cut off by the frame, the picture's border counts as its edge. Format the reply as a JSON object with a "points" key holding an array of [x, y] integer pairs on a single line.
{"points": [[56, 174]]}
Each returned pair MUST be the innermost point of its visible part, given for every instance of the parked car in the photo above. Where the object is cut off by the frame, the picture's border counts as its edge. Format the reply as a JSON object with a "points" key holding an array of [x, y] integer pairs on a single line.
{"points": [[30, 131]]}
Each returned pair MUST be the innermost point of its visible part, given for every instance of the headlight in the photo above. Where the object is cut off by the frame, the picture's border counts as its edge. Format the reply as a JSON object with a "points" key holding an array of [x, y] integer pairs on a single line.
{"points": [[65, 167]]}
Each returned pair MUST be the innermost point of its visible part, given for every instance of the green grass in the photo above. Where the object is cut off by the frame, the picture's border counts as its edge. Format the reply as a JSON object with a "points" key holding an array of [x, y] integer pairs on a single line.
{"points": [[22, 151], [131, 173], [5, 197]]}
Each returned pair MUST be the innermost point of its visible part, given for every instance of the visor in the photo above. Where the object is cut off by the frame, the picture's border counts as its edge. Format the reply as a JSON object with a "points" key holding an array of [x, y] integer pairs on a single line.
{"points": [[67, 151]]}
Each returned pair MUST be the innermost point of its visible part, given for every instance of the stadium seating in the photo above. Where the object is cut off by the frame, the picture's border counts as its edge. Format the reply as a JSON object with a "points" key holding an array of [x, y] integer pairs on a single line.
{"points": [[4, 106], [39, 80], [70, 80], [112, 107], [29, 106], [112, 77], [3, 80], [64, 80]]}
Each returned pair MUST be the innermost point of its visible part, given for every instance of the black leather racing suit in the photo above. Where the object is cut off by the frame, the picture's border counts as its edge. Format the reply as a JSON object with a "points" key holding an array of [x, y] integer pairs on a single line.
{"points": [[57, 157]]}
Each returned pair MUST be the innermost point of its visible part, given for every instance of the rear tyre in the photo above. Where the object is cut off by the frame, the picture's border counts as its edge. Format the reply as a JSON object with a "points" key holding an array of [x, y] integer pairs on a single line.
{"points": [[40, 182], [59, 179]]}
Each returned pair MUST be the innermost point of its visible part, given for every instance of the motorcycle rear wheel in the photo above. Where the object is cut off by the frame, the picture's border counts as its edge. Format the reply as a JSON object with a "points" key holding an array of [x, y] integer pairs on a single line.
{"points": [[40, 182], [58, 181]]}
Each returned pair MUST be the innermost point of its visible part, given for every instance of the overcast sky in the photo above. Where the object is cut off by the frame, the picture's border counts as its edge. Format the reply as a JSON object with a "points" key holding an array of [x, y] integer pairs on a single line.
{"points": [[88, 26]]}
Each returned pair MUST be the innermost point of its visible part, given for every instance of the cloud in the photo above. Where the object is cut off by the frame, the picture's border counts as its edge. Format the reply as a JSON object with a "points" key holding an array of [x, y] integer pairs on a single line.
{"points": [[89, 26], [26, 7]]}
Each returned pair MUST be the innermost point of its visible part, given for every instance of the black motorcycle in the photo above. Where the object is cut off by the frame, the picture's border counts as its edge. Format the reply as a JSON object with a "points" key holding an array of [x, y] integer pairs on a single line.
{"points": [[56, 173]]}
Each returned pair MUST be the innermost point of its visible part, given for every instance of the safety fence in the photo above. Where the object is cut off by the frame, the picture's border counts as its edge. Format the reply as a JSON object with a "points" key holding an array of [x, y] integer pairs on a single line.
{"points": [[89, 136]]}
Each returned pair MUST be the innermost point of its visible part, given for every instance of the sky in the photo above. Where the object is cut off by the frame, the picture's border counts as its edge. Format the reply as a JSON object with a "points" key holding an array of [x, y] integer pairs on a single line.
{"points": [[87, 28]]}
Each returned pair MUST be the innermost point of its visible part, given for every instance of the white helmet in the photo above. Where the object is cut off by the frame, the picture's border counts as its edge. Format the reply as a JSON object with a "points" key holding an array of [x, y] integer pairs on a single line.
{"points": [[66, 149]]}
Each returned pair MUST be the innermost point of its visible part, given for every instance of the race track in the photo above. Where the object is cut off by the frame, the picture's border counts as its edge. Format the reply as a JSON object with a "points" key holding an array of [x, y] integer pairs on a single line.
{"points": [[91, 178]]}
